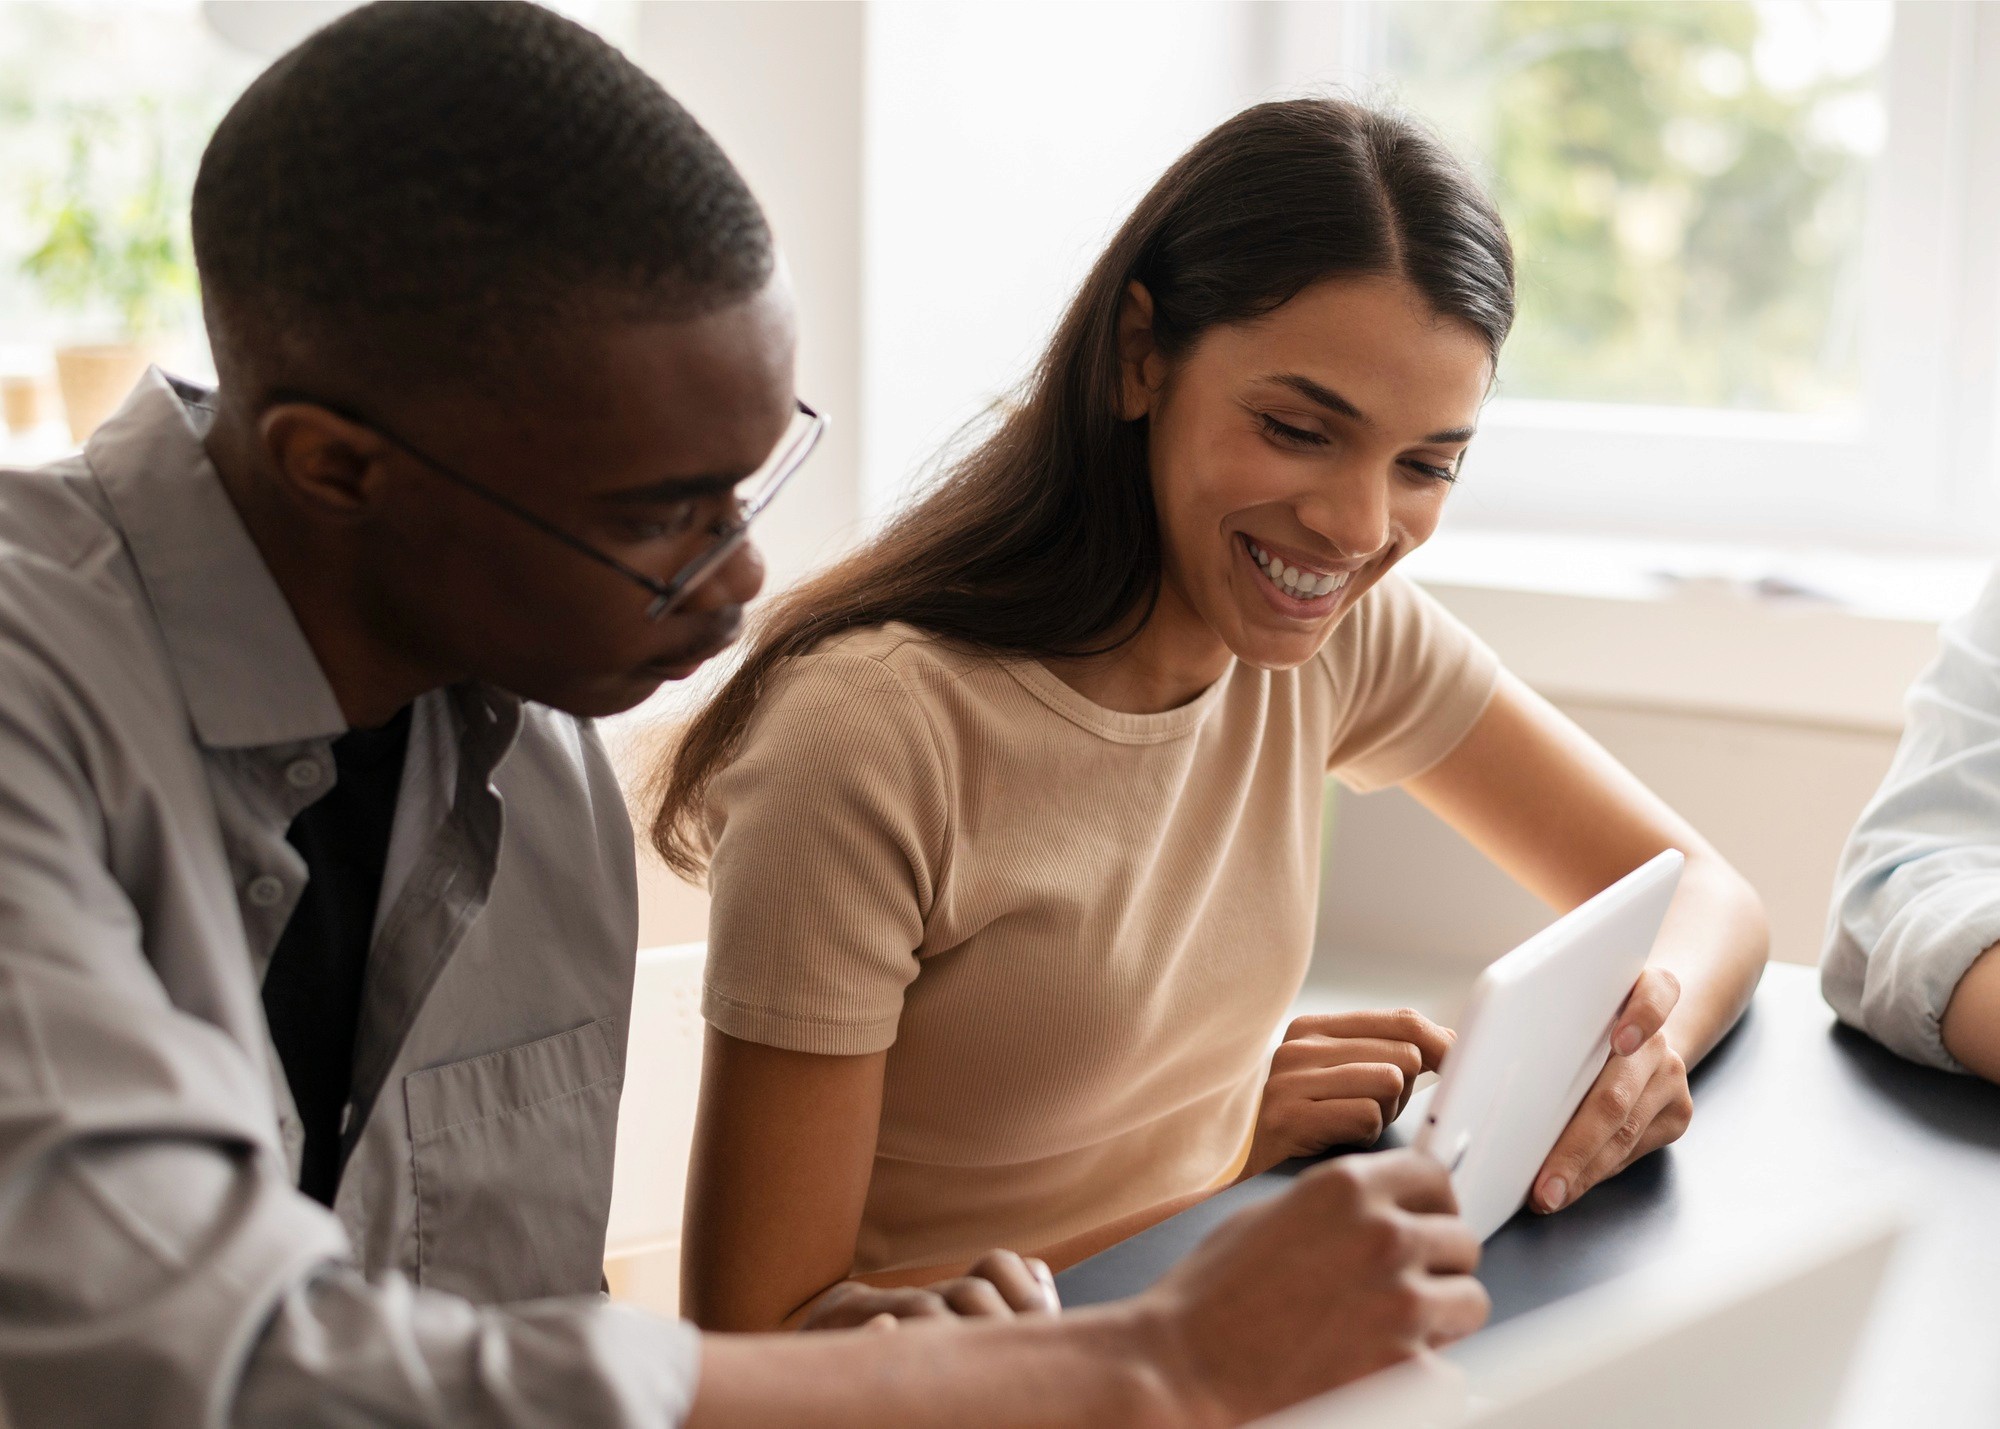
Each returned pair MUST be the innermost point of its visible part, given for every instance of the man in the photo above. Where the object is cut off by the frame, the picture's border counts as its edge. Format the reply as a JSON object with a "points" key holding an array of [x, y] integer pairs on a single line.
{"points": [[1913, 946], [316, 891]]}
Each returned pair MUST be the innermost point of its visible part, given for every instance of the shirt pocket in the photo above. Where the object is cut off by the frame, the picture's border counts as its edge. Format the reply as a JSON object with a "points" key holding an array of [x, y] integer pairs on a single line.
{"points": [[510, 1163]]}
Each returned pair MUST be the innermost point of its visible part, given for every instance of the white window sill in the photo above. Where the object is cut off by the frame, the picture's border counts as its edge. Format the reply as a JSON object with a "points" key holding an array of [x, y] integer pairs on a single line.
{"points": [[1820, 637]]}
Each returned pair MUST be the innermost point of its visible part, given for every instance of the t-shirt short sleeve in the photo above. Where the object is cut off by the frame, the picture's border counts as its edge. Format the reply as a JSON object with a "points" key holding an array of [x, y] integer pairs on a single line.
{"points": [[1409, 682], [827, 830]]}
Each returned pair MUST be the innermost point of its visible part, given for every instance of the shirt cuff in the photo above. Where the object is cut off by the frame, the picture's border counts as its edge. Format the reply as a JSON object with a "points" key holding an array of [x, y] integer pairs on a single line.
{"points": [[1917, 964], [662, 1356]]}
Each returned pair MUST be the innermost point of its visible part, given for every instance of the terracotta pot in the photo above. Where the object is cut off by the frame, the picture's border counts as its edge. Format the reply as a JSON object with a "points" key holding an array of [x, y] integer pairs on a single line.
{"points": [[94, 380], [24, 402]]}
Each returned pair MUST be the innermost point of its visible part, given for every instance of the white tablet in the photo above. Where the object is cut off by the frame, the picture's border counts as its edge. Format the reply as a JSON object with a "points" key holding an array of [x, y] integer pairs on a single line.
{"points": [[1534, 1036]]}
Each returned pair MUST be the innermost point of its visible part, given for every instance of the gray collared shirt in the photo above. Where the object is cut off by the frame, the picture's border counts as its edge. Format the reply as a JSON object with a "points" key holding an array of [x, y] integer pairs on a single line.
{"points": [[162, 720]]}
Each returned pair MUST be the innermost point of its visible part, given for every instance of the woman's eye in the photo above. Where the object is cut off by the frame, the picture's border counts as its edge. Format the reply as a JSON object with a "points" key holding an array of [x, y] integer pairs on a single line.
{"points": [[1287, 433], [1431, 472]]}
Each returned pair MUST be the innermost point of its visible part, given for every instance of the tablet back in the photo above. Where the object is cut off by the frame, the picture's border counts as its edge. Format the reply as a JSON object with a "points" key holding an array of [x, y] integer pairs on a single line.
{"points": [[1533, 1038]]}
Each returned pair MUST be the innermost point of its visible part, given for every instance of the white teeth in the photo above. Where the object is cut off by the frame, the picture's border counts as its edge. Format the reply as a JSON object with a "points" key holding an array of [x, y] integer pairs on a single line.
{"points": [[1292, 580]]}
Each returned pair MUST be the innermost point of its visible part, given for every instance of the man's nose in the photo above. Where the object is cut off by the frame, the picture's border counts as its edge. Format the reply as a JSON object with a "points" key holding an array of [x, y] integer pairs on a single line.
{"points": [[735, 582]]}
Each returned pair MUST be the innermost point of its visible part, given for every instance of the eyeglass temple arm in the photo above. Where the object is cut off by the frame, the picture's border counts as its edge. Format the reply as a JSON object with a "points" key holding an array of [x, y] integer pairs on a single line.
{"points": [[661, 591], [664, 592]]}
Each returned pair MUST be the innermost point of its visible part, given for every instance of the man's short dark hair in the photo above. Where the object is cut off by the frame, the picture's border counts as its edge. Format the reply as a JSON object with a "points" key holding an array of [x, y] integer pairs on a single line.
{"points": [[427, 188]]}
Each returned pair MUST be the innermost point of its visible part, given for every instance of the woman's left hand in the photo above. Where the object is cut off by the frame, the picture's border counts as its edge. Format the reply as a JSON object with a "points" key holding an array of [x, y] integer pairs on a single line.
{"points": [[1338, 1080], [999, 1286], [1639, 1103]]}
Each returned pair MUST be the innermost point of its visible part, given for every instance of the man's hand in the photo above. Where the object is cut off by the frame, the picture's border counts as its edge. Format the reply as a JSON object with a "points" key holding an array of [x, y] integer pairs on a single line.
{"points": [[1363, 1263], [1339, 1080], [1639, 1102], [999, 1285]]}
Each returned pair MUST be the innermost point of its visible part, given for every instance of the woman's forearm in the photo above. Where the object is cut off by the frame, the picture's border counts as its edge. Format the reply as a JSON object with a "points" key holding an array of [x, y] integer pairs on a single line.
{"points": [[1715, 941], [777, 1178], [1549, 805]]}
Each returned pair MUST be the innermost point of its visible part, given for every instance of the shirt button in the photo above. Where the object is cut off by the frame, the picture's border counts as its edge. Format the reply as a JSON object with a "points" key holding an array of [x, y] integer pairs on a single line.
{"points": [[302, 773], [266, 891]]}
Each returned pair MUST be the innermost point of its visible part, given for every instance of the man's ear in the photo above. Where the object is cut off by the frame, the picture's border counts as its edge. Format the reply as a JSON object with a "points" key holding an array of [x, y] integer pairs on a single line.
{"points": [[1142, 365], [334, 467]]}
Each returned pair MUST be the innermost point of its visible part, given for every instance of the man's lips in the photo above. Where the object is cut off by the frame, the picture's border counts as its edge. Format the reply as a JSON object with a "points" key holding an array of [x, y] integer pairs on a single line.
{"points": [[681, 668], [691, 657], [672, 672]]}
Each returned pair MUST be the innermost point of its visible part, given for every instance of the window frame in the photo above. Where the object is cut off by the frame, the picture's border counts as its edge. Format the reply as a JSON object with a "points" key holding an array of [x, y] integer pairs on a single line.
{"points": [[1913, 466]]}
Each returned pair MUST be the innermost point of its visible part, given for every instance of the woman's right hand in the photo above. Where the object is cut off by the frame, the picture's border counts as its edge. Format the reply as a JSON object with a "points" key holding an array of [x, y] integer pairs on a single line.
{"points": [[998, 1285], [1338, 1080]]}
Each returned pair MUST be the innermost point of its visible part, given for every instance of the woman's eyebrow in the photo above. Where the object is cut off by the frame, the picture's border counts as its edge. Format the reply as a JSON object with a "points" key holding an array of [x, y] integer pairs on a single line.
{"points": [[1326, 397], [1316, 392], [674, 488]]}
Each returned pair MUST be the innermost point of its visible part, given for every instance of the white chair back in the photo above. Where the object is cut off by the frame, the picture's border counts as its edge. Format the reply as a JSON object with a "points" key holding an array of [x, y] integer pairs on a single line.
{"points": [[656, 1127]]}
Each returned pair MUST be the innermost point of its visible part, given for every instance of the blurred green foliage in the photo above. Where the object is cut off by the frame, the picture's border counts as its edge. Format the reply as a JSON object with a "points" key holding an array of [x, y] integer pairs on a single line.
{"points": [[104, 109], [113, 223], [1686, 194]]}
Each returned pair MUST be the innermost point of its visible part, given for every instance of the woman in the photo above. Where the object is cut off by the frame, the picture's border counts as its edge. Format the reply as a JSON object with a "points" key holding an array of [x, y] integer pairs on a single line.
{"points": [[1012, 817]]}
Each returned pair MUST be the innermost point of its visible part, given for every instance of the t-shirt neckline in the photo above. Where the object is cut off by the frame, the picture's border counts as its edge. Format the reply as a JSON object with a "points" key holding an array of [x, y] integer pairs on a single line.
{"points": [[1117, 725]]}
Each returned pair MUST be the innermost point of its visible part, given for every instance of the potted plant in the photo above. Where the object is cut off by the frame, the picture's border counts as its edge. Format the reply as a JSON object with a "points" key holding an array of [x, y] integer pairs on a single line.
{"points": [[113, 253]]}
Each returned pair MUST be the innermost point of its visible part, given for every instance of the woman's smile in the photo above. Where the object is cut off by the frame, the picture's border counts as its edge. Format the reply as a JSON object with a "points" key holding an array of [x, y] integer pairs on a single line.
{"points": [[1295, 590]]}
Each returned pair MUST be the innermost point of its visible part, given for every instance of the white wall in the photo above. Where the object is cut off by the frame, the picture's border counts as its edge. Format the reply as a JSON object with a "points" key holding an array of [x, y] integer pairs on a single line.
{"points": [[779, 85], [992, 186]]}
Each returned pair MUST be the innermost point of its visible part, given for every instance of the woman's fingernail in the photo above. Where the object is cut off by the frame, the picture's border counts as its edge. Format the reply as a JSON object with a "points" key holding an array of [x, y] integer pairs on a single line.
{"points": [[1627, 1041], [1553, 1191]]}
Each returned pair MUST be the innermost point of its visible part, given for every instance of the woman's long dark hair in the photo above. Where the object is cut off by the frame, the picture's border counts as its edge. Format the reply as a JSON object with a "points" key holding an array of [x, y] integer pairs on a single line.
{"points": [[1042, 541]]}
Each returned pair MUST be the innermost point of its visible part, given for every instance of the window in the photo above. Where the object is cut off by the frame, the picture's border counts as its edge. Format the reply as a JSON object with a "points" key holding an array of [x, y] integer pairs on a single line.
{"points": [[104, 112], [1757, 260], [1686, 185]]}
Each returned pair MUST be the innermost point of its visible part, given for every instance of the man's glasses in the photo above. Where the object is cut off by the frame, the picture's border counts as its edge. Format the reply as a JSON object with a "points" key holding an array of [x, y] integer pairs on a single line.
{"points": [[727, 533]]}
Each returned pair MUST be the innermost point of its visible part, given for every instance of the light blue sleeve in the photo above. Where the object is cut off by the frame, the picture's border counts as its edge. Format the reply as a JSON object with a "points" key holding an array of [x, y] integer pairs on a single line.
{"points": [[1917, 896]]}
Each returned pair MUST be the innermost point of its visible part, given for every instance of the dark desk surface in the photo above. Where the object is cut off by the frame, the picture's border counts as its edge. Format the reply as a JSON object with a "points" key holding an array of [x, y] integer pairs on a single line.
{"points": [[1789, 1107]]}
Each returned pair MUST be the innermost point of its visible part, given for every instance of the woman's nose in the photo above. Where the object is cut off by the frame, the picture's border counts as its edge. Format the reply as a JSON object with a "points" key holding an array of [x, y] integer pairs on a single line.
{"points": [[1352, 514]]}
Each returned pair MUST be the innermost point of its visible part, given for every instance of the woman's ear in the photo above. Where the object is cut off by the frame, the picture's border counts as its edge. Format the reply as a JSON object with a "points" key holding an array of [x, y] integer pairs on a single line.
{"points": [[1141, 364]]}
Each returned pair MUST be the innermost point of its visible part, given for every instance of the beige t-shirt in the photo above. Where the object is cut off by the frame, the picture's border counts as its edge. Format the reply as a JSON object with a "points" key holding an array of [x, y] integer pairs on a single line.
{"points": [[1073, 929]]}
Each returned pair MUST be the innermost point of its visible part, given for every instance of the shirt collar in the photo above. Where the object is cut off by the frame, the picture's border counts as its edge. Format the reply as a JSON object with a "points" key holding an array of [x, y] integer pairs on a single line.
{"points": [[245, 669]]}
